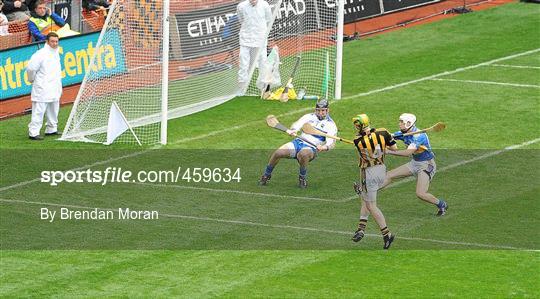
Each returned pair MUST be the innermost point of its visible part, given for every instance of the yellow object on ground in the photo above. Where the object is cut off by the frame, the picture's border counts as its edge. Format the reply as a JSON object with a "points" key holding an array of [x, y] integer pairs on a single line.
{"points": [[277, 94]]}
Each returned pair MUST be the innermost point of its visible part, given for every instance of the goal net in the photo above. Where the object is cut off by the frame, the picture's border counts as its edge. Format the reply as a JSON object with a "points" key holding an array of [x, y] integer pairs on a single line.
{"points": [[153, 68]]}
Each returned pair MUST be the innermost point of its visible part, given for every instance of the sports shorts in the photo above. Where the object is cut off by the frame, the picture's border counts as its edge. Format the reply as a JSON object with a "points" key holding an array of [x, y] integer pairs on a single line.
{"points": [[428, 167], [297, 145], [372, 180]]}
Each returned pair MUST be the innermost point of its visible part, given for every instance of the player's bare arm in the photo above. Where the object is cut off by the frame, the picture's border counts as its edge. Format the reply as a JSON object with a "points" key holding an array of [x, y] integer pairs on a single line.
{"points": [[404, 153]]}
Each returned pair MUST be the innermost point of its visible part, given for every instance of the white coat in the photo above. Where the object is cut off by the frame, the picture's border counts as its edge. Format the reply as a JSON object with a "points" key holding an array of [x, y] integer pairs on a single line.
{"points": [[4, 27], [254, 22], [45, 72]]}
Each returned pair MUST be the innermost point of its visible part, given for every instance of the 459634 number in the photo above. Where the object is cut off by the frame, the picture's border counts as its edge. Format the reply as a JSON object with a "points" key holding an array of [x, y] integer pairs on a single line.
{"points": [[207, 175]]}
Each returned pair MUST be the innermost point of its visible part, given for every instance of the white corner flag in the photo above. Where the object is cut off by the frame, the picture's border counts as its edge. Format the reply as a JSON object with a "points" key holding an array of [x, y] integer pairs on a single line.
{"points": [[117, 125]]}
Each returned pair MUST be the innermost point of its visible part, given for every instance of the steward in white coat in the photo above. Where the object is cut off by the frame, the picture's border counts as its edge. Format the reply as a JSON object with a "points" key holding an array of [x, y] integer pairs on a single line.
{"points": [[255, 17], [45, 73]]}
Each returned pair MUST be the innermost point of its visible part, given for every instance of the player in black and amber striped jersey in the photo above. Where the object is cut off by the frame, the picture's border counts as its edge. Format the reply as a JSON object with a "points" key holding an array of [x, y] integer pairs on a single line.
{"points": [[371, 145]]}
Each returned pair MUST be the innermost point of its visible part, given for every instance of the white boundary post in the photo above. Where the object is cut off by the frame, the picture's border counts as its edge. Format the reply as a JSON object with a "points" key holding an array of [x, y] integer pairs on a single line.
{"points": [[165, 73], [339, 48]]}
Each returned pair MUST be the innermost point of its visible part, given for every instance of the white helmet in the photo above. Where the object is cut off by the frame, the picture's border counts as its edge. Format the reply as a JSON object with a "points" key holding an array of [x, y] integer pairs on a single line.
{"points": [[408, 119]]}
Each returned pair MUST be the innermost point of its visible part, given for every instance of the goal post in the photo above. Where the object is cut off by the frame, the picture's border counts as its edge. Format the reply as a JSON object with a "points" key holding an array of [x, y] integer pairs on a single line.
{"points": [[164, 59], [339, 46], [165, 73]]}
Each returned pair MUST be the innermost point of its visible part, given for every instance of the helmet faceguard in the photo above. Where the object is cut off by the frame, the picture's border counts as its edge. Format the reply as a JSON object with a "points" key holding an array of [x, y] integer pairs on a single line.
{"points": [[321, 109], [408, 120], [361, 122]]}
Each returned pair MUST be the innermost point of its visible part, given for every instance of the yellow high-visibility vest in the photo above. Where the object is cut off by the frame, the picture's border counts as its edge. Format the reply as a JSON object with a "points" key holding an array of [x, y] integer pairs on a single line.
{"points": [[42, 24]]}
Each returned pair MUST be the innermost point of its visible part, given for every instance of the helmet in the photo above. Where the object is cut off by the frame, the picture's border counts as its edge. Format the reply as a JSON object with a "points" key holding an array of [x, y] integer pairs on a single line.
{"points": [[321, 104], [408, 119], [361, 121]]}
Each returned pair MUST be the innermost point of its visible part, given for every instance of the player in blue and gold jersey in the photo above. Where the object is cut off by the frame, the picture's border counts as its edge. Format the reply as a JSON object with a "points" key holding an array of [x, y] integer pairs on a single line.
{"points": [[422, 164]]}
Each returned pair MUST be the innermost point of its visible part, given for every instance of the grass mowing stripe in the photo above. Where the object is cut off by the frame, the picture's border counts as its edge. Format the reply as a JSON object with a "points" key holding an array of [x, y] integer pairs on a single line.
{"points": [[315, 274], [495, 274], [488, 82], [460, 163], [461, 69], [217, 132], [250, 223]]}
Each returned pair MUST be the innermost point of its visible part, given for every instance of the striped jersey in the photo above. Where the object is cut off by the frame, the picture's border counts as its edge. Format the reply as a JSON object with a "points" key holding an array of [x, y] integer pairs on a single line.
{"points": [[371, 146]]}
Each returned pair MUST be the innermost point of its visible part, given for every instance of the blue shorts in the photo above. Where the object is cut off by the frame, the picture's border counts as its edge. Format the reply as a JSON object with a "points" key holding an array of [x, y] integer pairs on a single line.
{"points": [[299, 144]]}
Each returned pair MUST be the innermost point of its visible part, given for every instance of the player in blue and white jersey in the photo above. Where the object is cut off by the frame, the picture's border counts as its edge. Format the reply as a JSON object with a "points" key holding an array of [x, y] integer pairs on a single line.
{"points": [[422, 164], [305, 147]]}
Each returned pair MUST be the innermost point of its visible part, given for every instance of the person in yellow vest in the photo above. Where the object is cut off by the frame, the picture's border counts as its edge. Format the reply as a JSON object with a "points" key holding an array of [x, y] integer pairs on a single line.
{"points": [[43, 21]]}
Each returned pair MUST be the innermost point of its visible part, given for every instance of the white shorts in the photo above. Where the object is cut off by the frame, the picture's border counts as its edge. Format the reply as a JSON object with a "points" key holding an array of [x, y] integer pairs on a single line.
{"points": [[428, 167], [372, 180]]}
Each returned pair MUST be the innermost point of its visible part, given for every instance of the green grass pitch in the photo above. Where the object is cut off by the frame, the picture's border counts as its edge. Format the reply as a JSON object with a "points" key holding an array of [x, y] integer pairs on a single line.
{"points": [[241, 240]]}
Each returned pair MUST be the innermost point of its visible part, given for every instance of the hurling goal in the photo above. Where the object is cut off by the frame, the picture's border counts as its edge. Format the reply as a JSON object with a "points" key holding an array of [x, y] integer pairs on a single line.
{"points": [[157, 60]]}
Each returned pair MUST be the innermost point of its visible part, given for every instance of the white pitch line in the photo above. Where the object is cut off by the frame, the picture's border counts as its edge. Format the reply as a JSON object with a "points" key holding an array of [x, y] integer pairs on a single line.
{"points": [[240, 192], [461, 163], [516, 66], [280, 226], [488, 82], [217, 132], [442, 74]]}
